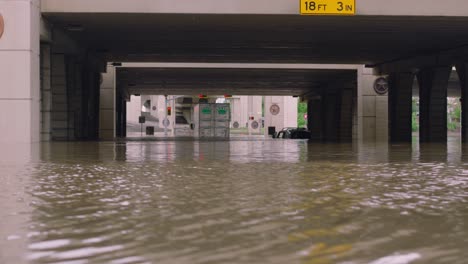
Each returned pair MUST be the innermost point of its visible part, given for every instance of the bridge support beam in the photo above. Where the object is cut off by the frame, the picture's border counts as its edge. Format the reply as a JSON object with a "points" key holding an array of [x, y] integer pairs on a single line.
{"points": [[433, 84], [400, 106], [462, 70]]}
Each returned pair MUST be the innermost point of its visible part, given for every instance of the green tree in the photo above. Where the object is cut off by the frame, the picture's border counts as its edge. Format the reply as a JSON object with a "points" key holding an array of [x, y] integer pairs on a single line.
{"points": [[301, 111], [414, 117]]}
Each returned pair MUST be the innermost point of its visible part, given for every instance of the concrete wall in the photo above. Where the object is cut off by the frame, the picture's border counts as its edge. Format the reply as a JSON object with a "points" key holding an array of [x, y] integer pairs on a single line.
{"points": [[134, 109], [241, 106], [290, 111], [287, 116], [19, 72], [244, 106]]}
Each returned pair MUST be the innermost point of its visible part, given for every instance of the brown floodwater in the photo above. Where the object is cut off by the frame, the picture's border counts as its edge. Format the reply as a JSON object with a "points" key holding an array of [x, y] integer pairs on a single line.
{"points": [[238, 201]]}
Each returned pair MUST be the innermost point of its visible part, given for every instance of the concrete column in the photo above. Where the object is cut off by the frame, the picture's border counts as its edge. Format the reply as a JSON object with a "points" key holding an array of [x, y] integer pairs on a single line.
{"points": [[433, 84], [19, 71], [59, 114], [91, 92], [72, 97], [355, 116], [107, 105], [372, 109], [121, 117], [314, 118], [400, 106], [462, 70], [330, 117], [78, 100], [46, 94], [118, 116], [346, 116], [124, 118]]}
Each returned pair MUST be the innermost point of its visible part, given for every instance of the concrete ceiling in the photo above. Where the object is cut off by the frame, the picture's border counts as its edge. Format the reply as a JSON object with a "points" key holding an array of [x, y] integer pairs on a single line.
{"points": [[248, 38], [367, 40], [193, 81]]}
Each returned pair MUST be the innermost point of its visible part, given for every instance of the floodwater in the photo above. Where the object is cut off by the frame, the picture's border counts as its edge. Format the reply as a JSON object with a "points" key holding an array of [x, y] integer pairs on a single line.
{"points": [[239, 201]]}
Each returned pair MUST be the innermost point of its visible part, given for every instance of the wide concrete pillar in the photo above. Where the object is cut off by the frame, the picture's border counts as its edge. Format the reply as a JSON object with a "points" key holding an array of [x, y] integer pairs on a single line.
{"points": [[77, 98], [19, 71], [433, 84], [346, 115], [330, 117], [107, 105], [400, 106], [91, 91], [462, 70], [314, 118], [372, 109]]}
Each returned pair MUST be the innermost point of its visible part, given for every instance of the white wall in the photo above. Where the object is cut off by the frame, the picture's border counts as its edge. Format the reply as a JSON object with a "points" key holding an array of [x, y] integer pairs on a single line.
{"points": [[290, 111], [244, 106], [19, 72], [134, 109], [287, 117]]}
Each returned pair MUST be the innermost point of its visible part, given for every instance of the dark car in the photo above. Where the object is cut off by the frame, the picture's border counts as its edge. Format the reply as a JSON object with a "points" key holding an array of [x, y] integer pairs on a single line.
{"points": [[293, 133]]}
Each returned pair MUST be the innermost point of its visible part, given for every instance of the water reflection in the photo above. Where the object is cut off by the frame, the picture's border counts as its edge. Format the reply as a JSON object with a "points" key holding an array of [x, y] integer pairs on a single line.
{"points": [[239, 201]]}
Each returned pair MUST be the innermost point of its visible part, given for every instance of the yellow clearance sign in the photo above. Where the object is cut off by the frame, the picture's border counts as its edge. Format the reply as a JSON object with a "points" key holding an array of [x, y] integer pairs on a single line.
{"points": [[328, 7]]}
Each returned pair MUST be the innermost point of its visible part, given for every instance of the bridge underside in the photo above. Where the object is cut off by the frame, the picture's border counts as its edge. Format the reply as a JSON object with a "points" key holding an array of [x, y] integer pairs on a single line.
{"points": [[370, 40], [237, 81], [389, 44]]}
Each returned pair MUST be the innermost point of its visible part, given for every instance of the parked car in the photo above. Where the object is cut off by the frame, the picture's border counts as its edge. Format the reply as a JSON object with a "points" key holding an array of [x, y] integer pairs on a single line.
{"points": [[293, 133]]}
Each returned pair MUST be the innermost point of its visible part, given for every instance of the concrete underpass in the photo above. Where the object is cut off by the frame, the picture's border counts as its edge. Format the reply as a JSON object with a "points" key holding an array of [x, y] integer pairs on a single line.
{"points": [[244, 48], [310, 81], [80, 183]]}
